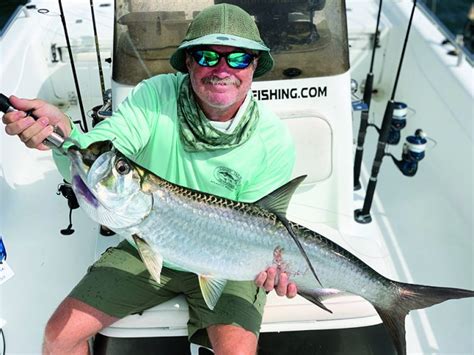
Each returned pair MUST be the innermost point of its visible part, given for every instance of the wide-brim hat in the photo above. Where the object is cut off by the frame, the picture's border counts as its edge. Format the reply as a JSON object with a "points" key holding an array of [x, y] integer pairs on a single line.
{"points": [[223, 25]]}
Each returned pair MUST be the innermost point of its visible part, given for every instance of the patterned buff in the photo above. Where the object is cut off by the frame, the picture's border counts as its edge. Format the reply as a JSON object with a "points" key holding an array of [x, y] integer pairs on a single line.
{"points": [[197, 134]]}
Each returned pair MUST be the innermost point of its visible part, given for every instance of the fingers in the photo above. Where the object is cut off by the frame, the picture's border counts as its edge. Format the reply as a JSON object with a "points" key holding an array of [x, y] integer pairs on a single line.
{"points": [[282, 285], [271, 279], [266, 279], [16, 122], [34, 136], [24, 104], [285, 287], [13, 116], [260, 279], [31, 132], [292, 290]]}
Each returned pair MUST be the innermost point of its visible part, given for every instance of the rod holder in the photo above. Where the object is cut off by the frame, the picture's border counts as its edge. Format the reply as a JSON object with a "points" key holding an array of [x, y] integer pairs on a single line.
{"points": [[364, 122], [363, 215]]}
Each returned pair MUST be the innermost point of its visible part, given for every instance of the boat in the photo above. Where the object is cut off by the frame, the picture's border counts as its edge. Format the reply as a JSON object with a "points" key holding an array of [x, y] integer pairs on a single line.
{"points": [[418, 229]]}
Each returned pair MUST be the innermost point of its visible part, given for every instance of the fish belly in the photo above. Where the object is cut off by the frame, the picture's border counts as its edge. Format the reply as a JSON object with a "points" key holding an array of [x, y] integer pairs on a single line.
{"points": [[237, 244]]}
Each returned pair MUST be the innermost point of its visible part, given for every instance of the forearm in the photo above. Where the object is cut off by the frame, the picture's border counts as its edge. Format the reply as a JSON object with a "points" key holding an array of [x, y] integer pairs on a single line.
{"points": [[128, 136]]}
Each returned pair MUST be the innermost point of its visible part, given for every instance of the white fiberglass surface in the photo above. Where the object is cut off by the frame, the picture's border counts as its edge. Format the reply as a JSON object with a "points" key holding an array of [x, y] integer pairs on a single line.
{"points": [[422, 230], [426, 220], [46, 264]]}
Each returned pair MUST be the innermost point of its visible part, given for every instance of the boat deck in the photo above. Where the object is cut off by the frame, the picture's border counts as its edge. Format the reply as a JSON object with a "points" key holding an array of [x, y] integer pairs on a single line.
{"points": [[422, 229]]}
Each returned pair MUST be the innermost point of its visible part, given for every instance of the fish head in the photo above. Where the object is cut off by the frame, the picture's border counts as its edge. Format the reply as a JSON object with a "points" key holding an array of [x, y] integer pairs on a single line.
{"points": [[108, 185]]}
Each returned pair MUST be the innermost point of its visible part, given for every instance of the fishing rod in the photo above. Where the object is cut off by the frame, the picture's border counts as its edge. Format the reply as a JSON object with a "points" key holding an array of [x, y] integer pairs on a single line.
{"points": [[54, 138], [73, 67], [57, 140], [97, 50], [363, 215], [364, 116]]}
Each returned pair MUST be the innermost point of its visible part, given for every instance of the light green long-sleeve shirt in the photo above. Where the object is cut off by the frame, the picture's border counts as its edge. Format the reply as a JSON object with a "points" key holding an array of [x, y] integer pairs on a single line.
{"points": [[146, 129]]}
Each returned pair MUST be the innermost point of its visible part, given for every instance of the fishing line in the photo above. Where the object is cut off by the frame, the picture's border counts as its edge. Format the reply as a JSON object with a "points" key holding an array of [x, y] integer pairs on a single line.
{"points": [[435, 143], [73, 66], [97, 50]]}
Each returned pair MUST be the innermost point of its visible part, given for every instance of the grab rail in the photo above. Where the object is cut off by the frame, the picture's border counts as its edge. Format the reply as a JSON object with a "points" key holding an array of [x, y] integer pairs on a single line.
{"points": [[451, 37]]}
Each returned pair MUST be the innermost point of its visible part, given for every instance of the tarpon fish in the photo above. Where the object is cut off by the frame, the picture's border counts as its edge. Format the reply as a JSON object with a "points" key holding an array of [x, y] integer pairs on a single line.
{"points": [[221, 239]]}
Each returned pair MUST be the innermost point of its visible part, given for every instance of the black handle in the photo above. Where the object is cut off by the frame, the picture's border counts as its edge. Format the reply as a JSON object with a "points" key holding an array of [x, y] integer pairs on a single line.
{"points": [[5, 106]]}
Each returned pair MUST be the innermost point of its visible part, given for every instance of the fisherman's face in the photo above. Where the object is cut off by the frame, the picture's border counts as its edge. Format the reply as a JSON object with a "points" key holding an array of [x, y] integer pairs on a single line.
{"points": [[220, 86]]}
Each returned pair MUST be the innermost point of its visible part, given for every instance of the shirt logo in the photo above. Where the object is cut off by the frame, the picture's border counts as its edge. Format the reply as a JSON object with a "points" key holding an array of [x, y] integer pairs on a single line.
{"points": [[226, 177]]}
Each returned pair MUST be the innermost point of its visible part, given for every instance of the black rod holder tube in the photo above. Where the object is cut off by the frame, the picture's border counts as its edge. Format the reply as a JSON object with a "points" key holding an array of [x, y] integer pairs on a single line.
{"points": [[363, 215], [364, 115], [364, 121], [97, 50], [73, 66]]}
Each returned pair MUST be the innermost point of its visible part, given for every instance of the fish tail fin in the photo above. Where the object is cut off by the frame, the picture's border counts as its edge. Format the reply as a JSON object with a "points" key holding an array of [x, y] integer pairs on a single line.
{"points": [[412, 297]]}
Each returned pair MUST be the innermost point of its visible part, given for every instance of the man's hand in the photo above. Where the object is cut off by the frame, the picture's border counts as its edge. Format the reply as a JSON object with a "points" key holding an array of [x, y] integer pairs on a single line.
{"points": [[266, 279], [32, 132]]}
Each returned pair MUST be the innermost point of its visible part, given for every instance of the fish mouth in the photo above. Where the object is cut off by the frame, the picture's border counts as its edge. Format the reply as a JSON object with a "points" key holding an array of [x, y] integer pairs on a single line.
{"points": [[79, 172], [80, 187], [116, 217], [82, 161]]}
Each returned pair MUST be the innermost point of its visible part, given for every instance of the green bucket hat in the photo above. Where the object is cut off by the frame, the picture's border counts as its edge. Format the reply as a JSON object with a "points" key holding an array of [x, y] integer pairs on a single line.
{"points": [[224, 25]]}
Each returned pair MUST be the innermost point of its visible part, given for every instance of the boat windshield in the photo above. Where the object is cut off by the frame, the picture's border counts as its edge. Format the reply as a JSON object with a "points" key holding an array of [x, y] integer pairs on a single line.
{"points": [[8, 11], [307, 38]]}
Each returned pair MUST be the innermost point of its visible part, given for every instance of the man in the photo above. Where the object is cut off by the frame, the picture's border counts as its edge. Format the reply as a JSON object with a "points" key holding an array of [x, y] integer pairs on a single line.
{"points": [[202, 130]]}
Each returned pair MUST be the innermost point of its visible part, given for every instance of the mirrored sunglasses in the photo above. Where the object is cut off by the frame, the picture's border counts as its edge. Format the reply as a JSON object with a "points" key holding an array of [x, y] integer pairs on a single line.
{"points": [[210, 58]]}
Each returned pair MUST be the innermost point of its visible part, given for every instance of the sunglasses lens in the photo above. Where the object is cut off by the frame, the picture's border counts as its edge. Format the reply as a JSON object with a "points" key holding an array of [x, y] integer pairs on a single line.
{"points": [[206, 58], [239, 60], [236, 60]]}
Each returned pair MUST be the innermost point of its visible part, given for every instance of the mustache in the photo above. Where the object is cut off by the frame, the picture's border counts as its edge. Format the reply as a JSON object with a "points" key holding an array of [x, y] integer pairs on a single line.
{"points": [[214, 80]]}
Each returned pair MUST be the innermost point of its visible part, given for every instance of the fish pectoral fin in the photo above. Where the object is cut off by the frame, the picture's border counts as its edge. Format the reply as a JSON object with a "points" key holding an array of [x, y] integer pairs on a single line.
{"points": [[288, 227], [278, 200], [314, 298], [150, 257], [211, 289]]}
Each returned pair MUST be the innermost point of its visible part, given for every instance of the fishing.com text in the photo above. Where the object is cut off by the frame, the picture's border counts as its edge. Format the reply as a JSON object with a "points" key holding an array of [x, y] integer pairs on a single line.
{"points": [[290, 93]]}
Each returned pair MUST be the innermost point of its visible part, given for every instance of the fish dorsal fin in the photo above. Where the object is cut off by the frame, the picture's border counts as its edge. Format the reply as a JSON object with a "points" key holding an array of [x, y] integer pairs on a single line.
{"points": [[150, 257], [278, 200], [211, 289]]}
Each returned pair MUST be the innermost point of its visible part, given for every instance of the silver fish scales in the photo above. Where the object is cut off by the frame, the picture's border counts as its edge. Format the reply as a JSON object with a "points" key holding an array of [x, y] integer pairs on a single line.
{"points": [[219, 239]]}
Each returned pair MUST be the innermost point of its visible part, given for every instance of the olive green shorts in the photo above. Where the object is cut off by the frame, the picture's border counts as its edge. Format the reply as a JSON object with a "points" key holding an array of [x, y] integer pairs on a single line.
{"points": [[119, 284]]}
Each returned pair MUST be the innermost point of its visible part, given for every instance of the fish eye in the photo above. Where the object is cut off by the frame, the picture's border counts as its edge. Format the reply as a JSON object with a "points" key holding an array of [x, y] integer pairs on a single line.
{"points": [[122, 167]]}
